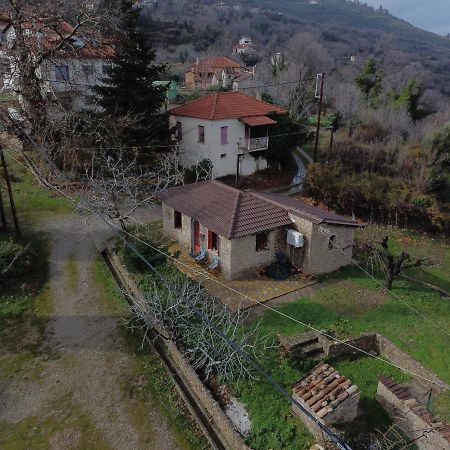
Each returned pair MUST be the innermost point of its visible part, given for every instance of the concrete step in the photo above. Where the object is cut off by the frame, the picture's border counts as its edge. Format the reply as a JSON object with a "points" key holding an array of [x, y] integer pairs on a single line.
{"points": [[313, 350], [308, 341]]}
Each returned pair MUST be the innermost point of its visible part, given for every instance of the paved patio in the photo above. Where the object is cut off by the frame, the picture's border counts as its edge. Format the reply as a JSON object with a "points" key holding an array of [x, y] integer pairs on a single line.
{"points": [[245, 293]]}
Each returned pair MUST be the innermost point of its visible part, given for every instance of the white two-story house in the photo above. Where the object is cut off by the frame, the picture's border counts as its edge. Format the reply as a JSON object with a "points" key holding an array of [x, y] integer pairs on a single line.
{"points": [[73, 65], [230, 129]]}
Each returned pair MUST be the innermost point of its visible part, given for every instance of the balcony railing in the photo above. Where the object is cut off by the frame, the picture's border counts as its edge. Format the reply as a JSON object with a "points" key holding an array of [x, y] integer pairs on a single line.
{"points": [[252, 145]]}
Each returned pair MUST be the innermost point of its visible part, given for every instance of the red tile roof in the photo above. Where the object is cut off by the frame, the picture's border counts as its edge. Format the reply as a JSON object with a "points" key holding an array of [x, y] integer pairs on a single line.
{"points": [[230, 212], [55, 31], [312, 213], [226, 105], [214, 62]]}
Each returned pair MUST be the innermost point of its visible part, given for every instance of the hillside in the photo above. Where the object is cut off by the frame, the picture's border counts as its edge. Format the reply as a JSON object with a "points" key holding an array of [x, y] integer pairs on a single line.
{"points": [[342, 28], [340, 16]]}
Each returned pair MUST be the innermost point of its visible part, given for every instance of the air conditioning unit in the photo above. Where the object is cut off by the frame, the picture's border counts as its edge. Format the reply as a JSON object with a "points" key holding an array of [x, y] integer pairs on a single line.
{"points": [[295, 238]]}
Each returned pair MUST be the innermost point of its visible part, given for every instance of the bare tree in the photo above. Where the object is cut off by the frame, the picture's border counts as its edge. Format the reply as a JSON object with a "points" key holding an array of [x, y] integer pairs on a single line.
{"points": [[41, 47], [192, 318], [392, 265], [118, 186]]}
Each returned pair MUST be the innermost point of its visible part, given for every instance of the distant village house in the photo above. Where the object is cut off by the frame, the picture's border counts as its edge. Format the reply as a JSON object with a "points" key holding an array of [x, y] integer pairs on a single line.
{"points": [[213, 71], [245, 46]]}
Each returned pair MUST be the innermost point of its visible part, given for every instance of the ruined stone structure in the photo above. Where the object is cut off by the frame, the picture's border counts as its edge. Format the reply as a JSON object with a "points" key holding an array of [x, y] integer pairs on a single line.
{"points": [[427, 431]]}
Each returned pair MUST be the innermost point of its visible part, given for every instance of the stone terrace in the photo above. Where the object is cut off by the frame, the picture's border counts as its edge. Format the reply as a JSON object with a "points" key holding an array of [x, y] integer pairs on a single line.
{"points": [[230, 293]]}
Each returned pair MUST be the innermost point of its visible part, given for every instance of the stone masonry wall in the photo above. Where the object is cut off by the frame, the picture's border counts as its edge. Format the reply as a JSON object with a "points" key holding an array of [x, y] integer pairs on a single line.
{"points": [[317, 258], [184, 237], [391, 352], [229, 437], [246, 260], [425, 437], [325, 260], [367, 342]]}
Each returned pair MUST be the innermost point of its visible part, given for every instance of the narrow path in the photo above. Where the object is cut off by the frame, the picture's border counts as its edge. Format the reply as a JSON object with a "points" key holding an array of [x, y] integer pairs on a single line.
{"points": [[84, 386], [301, 169]]}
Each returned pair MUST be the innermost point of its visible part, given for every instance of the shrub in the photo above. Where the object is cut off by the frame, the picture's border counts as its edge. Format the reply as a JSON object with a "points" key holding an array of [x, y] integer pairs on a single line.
{"points": [[16, 260], [156, 254]]}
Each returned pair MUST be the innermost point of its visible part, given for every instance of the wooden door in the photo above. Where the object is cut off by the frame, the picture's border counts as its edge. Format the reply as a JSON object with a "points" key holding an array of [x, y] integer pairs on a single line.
{"points": [[196, 236]]}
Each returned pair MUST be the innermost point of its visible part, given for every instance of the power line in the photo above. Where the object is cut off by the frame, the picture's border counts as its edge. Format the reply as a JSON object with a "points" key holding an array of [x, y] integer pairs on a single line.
{"points": [[438, 326], [206, 276], [332, 436], [212, 91]]}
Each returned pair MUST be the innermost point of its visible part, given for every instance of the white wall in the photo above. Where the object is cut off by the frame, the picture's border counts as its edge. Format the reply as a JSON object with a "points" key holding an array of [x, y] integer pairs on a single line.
{"points": [[77, 76], [79, 80], [222, 156]]}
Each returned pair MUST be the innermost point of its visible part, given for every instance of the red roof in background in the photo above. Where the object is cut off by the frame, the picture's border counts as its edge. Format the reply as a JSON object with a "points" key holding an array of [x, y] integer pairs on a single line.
{"points": [[226, 105], [215, 62], [254, 121]]}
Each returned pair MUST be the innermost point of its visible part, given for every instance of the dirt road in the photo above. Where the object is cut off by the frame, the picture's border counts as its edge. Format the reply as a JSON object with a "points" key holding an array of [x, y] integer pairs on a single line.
{"points": [[78, 393]]}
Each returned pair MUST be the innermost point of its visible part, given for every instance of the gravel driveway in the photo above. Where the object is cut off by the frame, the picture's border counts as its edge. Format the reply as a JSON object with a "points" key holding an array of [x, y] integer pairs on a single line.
{"points": [[85, 380]]}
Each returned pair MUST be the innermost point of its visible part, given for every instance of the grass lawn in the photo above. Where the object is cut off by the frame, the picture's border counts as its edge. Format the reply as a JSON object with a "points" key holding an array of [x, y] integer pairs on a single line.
{"points": [[350, 303], [33, 202]]}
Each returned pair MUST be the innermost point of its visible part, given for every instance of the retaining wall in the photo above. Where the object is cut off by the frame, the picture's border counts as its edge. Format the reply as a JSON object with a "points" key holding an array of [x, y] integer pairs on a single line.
{"points": [[216, 418]]}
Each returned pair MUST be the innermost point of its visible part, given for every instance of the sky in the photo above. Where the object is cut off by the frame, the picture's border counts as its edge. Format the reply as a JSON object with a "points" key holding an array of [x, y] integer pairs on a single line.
{"points": [[431, 15]]}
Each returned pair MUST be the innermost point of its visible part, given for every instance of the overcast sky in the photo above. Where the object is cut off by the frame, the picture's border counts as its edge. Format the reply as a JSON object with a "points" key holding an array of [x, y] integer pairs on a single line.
{"points": [[431, 15]]}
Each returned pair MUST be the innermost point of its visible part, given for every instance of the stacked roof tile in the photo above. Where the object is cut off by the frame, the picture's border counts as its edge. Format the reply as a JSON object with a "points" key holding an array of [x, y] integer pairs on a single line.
{"points": [[226, 105], [324, 389], [232, 213]]}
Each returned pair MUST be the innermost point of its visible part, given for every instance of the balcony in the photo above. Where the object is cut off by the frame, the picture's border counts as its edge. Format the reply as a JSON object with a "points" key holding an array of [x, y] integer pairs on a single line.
{"points": [[255, 144]]}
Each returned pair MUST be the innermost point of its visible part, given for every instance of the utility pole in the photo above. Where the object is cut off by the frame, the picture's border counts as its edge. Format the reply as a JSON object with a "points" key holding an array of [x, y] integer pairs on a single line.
{"points": [[10, 193], [2, 213], [319, 114], [330, 148], [238, 167]]}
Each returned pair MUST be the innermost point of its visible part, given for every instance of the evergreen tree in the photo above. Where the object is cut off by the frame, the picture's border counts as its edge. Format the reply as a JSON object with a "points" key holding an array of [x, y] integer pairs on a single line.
{"points": [[369, 82], [128, 96]]}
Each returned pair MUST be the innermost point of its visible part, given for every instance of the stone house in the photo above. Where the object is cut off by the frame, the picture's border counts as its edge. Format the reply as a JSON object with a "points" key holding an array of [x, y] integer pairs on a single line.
{"points": [[230, 129], [247, 229]]}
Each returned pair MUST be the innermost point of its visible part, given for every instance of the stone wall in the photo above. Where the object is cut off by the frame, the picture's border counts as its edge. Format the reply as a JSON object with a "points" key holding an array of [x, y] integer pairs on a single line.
{"points": [[394, 354], [424, 435], [184, 237], [317, 258], [245, 260], [367, 342]]}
